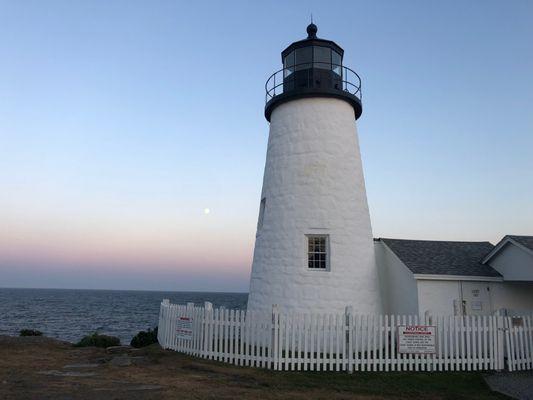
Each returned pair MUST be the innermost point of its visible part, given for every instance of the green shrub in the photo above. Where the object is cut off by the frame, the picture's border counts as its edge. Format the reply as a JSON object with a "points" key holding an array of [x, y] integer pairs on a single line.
{"points": [[30, 332], [98, 340], [143, 338]]}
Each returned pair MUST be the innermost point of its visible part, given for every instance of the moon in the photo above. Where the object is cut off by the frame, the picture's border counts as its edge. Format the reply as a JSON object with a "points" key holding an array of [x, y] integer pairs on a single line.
{"points": [[206, 211]]}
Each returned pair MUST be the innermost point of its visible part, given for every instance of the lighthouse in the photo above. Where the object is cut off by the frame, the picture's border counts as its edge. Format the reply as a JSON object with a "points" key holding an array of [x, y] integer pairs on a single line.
{"points": [[314, 249]]}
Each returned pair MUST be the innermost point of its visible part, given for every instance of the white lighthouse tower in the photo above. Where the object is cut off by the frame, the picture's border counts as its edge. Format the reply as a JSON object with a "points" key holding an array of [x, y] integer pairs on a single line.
{"points": [[314, 248]]}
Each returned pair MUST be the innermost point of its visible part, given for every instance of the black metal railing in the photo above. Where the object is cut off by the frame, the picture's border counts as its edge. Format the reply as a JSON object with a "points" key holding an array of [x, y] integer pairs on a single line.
{"points": [[303, 76]]}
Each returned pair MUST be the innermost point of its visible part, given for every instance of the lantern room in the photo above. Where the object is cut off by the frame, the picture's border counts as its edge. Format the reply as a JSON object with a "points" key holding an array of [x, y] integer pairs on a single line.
{"points": [[313, 67]]}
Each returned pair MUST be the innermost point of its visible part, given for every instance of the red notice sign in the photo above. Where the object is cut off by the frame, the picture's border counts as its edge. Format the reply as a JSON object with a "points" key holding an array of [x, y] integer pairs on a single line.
{"points": [[416, 339]]}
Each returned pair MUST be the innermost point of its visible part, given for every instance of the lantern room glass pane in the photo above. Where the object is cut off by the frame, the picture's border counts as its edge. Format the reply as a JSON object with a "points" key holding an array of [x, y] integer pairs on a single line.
{"points": [[302, 58], [322, 57], [288, 64], [337, 61]]}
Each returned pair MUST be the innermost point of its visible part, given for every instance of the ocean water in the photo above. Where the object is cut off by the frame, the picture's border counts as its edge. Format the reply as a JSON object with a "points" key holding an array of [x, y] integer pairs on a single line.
{"points": [[69, 314]]}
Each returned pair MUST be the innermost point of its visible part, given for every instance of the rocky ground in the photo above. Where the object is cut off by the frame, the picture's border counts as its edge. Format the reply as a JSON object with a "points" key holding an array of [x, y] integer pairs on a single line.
{"points": [[44, 368]]}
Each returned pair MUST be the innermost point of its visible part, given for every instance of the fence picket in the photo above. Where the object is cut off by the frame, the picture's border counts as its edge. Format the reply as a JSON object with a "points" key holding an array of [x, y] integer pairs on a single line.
{"points": [[367, 342], [312, 321], [393, 351], [356, 337], [529, 342], [479, 352], [521, 344], [491, 344], [510, 343], [467, 338]]}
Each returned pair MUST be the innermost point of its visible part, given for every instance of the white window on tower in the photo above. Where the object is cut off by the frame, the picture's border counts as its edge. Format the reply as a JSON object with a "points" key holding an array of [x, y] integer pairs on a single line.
{"points": [[318, 252]]}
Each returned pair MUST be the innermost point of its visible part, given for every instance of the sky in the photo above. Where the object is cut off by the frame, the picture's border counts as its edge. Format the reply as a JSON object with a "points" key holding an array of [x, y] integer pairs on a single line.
{"points": [[121, 122]]}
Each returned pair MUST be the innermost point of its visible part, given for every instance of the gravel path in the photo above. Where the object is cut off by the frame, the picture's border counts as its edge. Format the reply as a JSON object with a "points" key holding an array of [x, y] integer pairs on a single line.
{"points": [[518, 385]]}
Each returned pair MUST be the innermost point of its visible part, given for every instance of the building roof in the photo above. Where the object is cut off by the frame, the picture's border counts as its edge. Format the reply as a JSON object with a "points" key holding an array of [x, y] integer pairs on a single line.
{"points": [[526, 241], [431, 257]]}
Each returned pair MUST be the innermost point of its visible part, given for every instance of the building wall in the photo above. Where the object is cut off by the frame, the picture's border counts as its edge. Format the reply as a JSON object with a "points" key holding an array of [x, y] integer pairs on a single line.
{"points": [[398, 287], [512, 295], [402, 294], [514, 263], [313, 184], [437, 297]]}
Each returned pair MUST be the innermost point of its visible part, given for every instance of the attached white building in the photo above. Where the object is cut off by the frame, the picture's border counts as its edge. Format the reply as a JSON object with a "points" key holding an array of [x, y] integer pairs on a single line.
{"points": [[455, 278]]}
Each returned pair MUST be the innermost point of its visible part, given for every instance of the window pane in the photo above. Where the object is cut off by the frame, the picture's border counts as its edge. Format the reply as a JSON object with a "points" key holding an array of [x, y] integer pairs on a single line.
{"points": [[322, 57], [317, 252], [302, 58], [261, 214], [289, 64], [337, 61]]}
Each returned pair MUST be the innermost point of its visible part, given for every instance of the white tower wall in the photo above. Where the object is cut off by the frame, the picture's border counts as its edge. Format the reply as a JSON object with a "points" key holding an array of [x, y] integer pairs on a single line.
{"points": [[313, 184]]}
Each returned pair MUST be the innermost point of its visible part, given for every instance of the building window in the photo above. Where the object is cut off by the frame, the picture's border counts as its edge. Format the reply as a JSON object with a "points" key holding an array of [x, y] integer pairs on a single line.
{"points": [[261, 213], [337, 61], [317, 252], [322, 57], [288, 64], [303, 58]]}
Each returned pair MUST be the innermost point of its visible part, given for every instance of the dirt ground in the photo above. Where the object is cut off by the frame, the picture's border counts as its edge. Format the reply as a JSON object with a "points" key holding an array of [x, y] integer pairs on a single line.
{"points": [[44, 368]]}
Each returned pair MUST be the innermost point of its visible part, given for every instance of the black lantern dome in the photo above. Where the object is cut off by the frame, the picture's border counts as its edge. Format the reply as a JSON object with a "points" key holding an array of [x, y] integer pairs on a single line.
{"points": [[313, 68]]}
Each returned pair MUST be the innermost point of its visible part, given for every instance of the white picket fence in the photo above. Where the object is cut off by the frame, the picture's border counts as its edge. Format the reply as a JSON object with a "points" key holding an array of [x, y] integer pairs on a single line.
{"points": [[519, 342], [344, 342]]}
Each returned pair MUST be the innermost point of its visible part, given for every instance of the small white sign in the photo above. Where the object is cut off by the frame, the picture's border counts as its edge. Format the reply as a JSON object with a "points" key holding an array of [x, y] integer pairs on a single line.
{"points": [[184, 328], [416, 339]]}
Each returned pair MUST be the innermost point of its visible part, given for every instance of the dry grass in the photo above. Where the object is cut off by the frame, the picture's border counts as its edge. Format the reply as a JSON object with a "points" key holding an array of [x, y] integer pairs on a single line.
{"points": [[34, 368]]}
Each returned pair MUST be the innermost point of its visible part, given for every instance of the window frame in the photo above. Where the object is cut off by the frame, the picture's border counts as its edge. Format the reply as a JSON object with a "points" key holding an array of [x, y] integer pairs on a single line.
{"points": [[327, 252], [320, 64], [336, 67], [306, 63], [261, 218], [288, 64]]}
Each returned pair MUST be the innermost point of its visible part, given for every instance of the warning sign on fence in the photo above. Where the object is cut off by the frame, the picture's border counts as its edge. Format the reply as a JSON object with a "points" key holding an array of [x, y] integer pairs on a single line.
{"points": [[416, 339], [184, 328]]}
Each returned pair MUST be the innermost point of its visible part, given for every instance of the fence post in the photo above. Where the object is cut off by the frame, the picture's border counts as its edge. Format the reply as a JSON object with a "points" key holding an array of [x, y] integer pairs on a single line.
{"points": [[348, 312], [161, 326], [500, 333], [275, 334], [208, 313]]}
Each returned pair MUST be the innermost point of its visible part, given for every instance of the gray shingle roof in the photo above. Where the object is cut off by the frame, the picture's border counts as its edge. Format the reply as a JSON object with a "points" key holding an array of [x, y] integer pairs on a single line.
{"points": [[526, 241], [443, 258]]}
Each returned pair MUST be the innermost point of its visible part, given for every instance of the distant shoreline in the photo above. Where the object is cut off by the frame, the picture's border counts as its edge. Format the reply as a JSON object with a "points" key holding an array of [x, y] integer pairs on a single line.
{"points": [[125, 290]]}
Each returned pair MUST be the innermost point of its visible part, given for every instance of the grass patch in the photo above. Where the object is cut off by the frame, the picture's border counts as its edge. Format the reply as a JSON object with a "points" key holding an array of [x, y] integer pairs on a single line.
{"points": [[269, 384], [439, 385]]}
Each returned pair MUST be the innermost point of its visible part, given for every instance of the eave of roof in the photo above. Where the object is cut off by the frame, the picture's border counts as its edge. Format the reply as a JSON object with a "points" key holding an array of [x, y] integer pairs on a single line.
{"points": [[437, 277]]}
